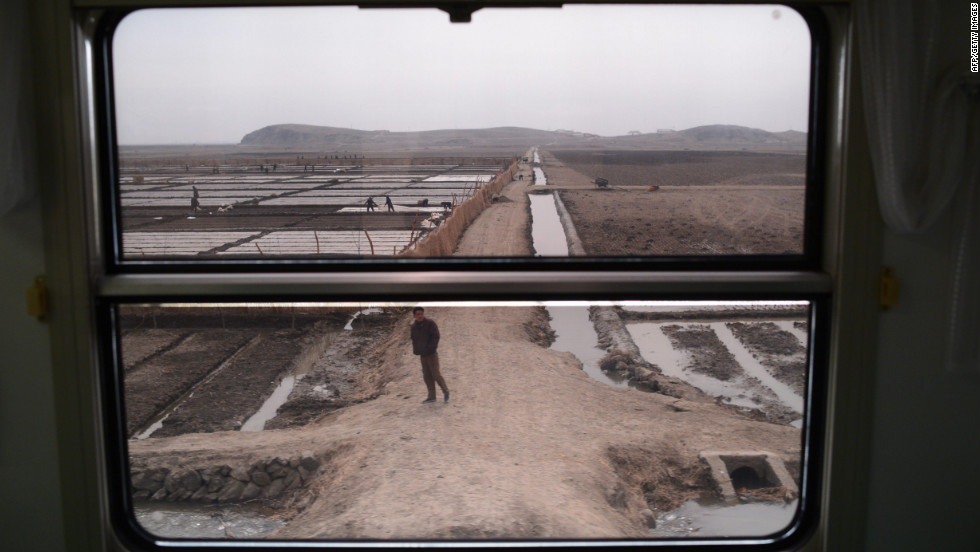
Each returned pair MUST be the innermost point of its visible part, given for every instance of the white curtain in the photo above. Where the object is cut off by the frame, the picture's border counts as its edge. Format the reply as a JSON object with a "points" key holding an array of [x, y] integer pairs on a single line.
{"points": [[16, 131], [923, 115]]}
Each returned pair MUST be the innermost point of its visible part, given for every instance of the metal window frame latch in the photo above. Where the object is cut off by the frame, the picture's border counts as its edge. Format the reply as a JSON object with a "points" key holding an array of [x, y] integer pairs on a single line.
{"points": [[37, 299]]}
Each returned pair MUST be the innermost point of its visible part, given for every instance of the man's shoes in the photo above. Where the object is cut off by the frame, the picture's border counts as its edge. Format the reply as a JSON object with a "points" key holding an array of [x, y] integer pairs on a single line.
{"points": [[446, 398], [427, 401]]}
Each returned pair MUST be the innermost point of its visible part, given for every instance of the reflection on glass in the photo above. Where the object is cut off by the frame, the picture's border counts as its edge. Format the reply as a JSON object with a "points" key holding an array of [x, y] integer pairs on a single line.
{"points": [[338, 133], [578, 420]]}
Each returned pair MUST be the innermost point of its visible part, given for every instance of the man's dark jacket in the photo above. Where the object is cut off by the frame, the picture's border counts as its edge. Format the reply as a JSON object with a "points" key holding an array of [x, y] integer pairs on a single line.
{"points": [[425, 337]]}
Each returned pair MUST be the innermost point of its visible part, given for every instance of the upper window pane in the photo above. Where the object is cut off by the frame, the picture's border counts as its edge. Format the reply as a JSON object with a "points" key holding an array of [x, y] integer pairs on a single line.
{"points": [[338, 133]]}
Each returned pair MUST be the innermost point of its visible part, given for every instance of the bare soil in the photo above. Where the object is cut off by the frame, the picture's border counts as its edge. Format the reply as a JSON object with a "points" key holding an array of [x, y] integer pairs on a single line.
{"points": [[685, 168], [708, 203]]}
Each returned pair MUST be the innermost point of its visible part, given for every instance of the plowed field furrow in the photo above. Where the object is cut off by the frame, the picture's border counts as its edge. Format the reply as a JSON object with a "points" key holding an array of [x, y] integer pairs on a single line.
{"points": [[164, 378], [143, 344], [253, 374]]}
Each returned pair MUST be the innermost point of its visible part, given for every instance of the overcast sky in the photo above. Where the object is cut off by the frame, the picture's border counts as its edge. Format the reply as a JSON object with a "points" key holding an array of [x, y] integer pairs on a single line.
{"points": [[214, 75]]}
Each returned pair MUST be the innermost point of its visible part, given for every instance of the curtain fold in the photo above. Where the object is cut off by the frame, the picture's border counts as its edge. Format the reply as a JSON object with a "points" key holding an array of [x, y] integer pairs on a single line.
{"points": [[923, 117], [16, 130]]}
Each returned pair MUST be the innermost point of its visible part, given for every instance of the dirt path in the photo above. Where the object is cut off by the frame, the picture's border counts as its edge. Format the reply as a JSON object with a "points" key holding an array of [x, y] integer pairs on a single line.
{"points": [[504, 229]]}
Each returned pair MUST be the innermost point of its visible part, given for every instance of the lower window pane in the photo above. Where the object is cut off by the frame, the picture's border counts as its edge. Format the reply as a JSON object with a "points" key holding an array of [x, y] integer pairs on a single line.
{"points": [[550, 420]]}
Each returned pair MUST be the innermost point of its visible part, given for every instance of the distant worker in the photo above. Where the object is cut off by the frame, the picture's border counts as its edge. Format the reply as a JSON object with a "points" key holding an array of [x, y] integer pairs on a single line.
{"points": [[195, 201], [370, 204], [389, 204], [425, 341]]}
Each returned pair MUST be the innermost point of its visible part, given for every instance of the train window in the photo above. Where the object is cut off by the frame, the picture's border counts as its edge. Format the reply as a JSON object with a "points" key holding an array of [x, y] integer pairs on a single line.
{"points": [[335, 135], [281, 187], [638, 421]]}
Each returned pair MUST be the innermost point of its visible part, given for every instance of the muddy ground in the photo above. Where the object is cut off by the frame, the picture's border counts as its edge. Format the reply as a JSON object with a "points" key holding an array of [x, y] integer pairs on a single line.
{"points": [[228, 357], [340, 376], [710, 357], [781, 353]]}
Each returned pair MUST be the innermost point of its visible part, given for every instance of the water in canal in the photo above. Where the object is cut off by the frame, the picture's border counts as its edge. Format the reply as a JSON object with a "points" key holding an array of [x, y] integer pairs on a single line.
{"points": [[575, 333], [741, 520], [547, 233], [207, 522]]}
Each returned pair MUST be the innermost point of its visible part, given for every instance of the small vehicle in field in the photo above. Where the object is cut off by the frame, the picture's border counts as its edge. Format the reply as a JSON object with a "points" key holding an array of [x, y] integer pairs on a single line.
{"points": [[601, 183]]}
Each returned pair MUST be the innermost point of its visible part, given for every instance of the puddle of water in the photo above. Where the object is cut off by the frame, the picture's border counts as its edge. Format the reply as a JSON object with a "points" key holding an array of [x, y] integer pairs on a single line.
{"points": [[741, 520], [576, 335], [204, 523], [539, 178], [153, 427], [350, 323], [547, 234], [268, 409]]}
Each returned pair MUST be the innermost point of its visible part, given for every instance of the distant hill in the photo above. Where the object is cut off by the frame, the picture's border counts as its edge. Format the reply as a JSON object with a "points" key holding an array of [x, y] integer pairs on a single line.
{"points": [[729, 133], [314, 138], [792, 136], [333, 138]]}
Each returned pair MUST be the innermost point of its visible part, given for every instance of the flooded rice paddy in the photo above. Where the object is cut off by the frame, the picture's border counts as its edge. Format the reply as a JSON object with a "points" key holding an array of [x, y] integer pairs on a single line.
{"points": [[658, 349], [293, 210]]}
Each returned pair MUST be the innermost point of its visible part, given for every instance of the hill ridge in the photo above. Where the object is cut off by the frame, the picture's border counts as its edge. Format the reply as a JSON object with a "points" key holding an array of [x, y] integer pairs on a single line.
{"points": [[315, 136]]}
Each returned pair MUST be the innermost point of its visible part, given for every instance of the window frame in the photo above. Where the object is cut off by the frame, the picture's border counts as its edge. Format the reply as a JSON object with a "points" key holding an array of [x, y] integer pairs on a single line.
{"points": [[794, 536], [110, 239], [769, 277]]}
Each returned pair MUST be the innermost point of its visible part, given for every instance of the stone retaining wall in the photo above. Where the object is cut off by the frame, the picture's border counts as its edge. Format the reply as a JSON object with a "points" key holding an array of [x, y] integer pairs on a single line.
{"points": [[223, 484]]}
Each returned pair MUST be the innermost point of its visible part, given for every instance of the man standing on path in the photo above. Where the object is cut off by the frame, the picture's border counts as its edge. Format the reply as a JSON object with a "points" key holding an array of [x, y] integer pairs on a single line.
{"points": [[425, 341]]}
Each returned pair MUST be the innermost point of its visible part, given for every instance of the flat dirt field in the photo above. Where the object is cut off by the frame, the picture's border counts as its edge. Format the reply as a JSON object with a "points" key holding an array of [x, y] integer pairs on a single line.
{"points": [[708, 203]]}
